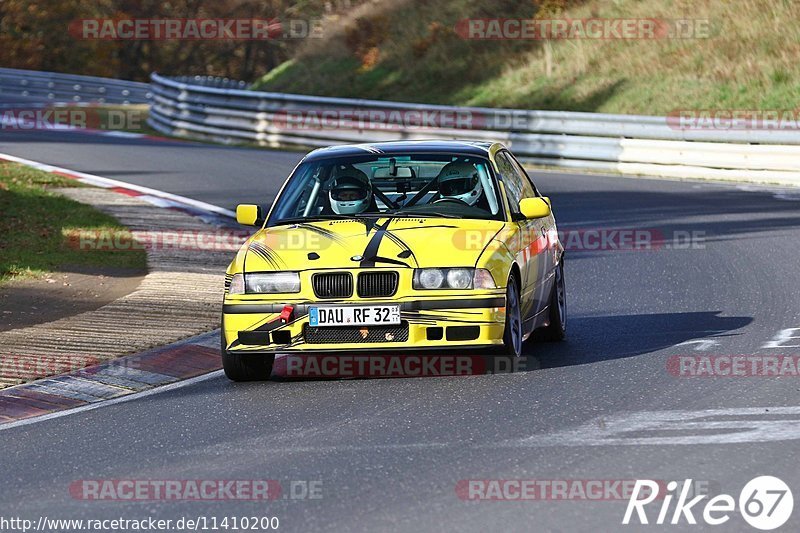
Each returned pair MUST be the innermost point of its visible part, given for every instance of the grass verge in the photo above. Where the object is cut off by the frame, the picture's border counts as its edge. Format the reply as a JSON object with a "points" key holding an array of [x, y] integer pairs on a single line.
{"points": [[36, 223]]}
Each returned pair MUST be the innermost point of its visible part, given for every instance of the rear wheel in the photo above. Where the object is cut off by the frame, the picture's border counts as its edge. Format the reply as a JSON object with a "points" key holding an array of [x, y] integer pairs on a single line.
{"points": [[557, 329], [246, 367], [512, 336]]}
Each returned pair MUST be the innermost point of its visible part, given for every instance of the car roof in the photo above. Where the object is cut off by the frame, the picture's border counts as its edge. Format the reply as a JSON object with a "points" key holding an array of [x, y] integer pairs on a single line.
{"points": [[478, 148]]}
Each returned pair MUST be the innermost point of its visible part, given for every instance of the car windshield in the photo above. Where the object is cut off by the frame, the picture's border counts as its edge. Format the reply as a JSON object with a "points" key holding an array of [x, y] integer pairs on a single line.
{"points": [[424, 185]]}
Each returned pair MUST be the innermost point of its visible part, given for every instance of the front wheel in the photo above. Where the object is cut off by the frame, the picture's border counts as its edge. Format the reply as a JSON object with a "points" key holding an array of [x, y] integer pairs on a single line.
{"points": [[246, 367], [512, 335]]}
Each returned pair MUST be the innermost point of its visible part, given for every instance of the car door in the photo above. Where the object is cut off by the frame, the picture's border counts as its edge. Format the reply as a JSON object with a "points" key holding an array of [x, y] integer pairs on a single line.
{"points": [[547, 228], [533, 255]]}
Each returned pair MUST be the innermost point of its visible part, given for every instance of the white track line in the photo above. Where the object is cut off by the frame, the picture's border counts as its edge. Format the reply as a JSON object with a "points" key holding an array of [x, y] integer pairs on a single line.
{"points": [[113, 401], [106, 183]]}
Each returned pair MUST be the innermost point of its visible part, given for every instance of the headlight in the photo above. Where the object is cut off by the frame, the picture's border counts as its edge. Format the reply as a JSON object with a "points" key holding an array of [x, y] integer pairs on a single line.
{"points": [[452, 278], [459, 278], [428, 278], [237, 284], [273, 282]]}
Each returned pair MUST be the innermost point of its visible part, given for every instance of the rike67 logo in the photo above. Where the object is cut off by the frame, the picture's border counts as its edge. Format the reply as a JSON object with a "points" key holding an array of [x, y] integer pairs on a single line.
{"points": [[765, 503]]}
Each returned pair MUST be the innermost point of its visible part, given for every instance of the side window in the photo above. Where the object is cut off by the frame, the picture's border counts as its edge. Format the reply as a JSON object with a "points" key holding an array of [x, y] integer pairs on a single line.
{"points": [[523, 174], [517, 185]]}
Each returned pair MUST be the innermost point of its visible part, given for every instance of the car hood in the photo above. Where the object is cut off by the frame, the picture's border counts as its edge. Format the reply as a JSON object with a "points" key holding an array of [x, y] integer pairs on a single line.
{"points": [[399, 242]]}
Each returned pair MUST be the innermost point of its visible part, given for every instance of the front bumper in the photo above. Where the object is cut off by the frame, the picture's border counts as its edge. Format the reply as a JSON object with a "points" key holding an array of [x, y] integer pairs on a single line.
{"points": [[251, 326]]}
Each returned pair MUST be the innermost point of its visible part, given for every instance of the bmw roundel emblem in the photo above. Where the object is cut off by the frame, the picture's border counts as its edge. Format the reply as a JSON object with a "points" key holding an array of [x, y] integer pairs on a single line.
{"points": [[356, 258]]}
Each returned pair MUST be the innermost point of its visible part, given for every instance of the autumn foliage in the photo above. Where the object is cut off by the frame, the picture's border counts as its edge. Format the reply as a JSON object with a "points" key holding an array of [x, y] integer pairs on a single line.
{"points": [[36, 35]]}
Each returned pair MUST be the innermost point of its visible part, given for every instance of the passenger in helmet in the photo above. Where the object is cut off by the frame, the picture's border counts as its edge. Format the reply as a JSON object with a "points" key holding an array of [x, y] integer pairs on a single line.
{"points": [[459, 180], [351, 192]]}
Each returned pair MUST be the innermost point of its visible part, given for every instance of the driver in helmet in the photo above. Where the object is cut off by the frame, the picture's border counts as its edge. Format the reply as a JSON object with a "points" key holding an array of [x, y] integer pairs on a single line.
{"points": [[351, 192], [459, 180]]}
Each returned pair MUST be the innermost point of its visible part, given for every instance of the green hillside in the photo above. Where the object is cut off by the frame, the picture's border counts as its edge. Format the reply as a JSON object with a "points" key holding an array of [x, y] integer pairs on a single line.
{"points": [[747, 56]]}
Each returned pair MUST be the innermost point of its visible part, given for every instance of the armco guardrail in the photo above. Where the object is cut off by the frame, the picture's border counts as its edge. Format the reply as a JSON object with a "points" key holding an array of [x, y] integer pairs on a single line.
{"points": [[630, 144], [29, 86]]}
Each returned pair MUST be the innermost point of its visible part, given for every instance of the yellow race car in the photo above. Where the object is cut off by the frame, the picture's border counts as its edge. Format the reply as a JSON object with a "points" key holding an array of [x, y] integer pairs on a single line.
{"points": [[395, 246]]}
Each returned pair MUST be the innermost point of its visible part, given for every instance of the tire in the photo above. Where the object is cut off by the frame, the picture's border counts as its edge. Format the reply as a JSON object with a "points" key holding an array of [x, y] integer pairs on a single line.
{"points": [[512, 334], [557, 330], [246, 367]]}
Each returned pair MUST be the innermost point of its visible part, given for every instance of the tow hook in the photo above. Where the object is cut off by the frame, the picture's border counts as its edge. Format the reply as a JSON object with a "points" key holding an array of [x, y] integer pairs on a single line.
{"points": [[286, 314]]}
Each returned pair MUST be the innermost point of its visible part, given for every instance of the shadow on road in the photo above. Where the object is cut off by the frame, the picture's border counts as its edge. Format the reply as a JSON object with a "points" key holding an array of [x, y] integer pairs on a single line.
{"points": [[601, 338]]}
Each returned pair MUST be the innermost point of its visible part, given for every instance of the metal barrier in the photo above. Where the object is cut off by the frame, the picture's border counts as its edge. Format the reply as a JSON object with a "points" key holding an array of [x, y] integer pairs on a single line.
{"points": [[224, 110], [29, 86], [629, 144]]}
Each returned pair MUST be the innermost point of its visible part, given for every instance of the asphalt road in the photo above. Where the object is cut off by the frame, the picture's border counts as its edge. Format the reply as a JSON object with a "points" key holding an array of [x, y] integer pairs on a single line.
{"points": [[390, 452]]}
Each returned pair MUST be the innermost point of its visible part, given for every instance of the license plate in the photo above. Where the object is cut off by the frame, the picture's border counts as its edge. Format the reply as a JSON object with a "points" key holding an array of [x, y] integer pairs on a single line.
{"points": [[369, 315]]}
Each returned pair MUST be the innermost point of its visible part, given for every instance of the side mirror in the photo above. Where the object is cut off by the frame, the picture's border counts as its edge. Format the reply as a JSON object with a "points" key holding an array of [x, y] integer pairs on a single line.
{"points": [[248, 214], [535, 207]]}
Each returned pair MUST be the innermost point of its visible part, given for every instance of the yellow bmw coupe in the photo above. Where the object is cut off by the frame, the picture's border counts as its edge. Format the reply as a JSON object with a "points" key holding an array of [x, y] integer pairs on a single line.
{"points": [[395, 246]]}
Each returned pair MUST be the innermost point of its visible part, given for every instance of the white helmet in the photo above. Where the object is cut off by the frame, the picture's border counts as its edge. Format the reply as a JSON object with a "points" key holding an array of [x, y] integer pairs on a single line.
{"points": [[351, 192], [459, 180]]}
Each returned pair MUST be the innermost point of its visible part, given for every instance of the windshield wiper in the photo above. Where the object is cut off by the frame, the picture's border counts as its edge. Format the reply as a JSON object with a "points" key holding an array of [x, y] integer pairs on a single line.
{"points": [[318, 218], [427, 214]]}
